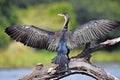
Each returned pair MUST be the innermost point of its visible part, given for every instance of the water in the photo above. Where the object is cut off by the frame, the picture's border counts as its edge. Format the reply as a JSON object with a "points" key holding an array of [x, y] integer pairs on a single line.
{"points": [[14, 74]]}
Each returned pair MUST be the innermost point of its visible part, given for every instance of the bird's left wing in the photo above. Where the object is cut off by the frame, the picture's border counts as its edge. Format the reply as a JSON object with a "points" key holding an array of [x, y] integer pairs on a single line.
{"points": [[92, 30], [32, 36]]}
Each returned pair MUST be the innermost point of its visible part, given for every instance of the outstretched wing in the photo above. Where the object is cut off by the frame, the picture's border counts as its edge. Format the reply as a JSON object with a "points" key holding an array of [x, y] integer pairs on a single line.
{"points": [[92, 30], [32, 36]]}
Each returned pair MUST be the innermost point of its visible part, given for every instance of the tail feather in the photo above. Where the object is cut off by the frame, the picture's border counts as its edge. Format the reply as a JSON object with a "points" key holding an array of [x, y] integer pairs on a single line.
{"points": [[61, 60]]}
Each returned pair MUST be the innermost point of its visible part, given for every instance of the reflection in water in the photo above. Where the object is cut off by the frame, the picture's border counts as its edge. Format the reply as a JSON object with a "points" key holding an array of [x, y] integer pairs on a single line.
{"points": [[13, 74]]}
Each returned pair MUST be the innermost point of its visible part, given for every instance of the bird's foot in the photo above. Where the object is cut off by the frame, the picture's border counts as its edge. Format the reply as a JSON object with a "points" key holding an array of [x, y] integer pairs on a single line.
{"points": [[67, 69], [64, 69]]}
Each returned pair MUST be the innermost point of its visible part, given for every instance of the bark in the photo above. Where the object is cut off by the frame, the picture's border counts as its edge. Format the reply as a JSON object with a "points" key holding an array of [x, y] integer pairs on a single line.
{"points": [[79, 64]]}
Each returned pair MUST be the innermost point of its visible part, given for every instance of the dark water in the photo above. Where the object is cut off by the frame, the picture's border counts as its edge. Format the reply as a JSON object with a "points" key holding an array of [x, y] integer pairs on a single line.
{"points": [[14, 74]]}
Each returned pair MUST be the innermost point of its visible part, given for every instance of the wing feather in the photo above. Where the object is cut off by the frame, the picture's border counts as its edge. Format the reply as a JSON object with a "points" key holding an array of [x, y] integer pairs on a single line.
{"points": [[92, 30], [32, 36]]}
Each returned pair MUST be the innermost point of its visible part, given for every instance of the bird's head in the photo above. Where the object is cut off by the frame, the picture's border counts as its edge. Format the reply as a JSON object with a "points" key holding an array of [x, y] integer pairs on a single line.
{"points": [[65, 15]]}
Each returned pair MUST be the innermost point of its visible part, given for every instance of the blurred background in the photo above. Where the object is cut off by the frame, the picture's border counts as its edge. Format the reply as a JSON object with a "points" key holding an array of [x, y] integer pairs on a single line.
{"points": [[15, 57]]}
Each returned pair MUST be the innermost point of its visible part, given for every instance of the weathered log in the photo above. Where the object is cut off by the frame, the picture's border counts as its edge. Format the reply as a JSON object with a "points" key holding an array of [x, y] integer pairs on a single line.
{"points": [[79, 64]]}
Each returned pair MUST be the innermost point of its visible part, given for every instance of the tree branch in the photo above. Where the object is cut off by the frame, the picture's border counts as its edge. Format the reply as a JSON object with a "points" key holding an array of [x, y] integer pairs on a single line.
{"points": [[80, 64]]}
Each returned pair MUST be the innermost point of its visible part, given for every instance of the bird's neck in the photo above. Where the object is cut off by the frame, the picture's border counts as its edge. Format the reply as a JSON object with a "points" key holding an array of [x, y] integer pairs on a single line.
{"points": [[66, 24]]}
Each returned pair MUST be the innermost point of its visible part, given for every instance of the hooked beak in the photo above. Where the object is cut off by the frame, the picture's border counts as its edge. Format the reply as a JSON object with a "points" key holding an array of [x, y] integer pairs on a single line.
{"points": [[60, 14]]}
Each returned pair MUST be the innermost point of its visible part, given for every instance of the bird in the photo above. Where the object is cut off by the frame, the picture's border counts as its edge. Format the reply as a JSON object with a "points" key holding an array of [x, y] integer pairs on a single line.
{"points": [[62, 41]]}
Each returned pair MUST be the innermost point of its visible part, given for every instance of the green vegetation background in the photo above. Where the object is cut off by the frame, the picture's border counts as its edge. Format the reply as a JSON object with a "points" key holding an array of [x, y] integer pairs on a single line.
{"points": [[43, 13]]}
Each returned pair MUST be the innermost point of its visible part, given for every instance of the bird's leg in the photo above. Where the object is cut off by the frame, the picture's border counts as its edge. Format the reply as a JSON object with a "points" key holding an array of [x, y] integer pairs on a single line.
{"points": [[64, 67], [67, 64], [67, 68], [68, 57]]}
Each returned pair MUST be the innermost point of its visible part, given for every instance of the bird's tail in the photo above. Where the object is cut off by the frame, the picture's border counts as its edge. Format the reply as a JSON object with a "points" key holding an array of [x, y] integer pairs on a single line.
{"points": [[61, 59]]}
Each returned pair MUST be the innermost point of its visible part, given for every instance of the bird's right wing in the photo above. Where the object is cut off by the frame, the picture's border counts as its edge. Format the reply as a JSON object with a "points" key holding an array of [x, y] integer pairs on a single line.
{"points": [[32, 36], [92, 30]]}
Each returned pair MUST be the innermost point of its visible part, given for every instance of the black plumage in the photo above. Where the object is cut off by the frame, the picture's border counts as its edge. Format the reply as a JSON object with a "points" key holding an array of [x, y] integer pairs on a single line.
{"points": [[62, 41]]}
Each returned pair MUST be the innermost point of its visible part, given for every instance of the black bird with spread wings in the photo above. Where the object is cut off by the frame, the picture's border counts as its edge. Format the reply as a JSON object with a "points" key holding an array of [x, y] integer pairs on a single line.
{"points": [[61, 42]]}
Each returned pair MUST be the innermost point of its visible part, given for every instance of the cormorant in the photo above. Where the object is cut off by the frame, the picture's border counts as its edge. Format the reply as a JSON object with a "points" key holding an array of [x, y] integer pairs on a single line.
{"points": [[64, 40]]}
